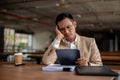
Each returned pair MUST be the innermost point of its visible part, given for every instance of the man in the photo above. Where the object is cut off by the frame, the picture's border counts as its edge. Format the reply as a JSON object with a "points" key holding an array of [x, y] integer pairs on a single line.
{"points": [[67, 38]]}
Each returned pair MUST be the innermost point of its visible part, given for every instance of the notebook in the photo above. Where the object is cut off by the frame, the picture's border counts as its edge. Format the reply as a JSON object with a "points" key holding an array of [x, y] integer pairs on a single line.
{"points": [[67, 56], [58, 67], [95, 71]]}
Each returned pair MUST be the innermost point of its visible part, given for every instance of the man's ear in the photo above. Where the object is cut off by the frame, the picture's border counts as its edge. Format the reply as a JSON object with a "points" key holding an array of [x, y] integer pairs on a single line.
{"points": [[75, 24]]}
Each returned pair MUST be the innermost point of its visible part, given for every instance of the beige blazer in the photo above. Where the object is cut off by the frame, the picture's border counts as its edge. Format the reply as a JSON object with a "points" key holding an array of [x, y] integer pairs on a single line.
{"points": [[87, 47]]}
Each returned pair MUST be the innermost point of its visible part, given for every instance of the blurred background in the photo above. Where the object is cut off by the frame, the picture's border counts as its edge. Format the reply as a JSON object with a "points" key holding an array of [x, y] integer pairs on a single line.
{"points": [[28, 25]]}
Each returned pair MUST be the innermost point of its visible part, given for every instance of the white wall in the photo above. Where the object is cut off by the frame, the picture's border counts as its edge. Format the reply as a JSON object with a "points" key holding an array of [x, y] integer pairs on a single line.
{"points": [[41, 40]]}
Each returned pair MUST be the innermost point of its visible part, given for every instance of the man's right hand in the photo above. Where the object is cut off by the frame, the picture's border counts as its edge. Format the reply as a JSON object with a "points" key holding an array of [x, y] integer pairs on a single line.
{"points": [[59, 36]]}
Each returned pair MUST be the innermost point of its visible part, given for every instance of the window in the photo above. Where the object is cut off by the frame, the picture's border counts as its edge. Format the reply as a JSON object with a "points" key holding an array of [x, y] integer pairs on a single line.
{"points": [[14, 42], [8, 40]]}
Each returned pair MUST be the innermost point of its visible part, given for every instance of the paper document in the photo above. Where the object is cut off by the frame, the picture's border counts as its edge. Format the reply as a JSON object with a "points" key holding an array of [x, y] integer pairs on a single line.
{"points": [[58, 67]]}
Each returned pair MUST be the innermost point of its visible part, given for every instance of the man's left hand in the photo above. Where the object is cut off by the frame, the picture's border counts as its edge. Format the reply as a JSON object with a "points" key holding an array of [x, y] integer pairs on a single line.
{"points": [[82, 62]]}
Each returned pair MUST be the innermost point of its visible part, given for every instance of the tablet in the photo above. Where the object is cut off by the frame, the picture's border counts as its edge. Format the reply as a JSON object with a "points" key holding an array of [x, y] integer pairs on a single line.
{"points": [[68, 56]]}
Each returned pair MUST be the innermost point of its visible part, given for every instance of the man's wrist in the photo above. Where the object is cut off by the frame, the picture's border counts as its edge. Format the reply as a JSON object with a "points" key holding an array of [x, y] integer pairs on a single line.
{"points": [[56, 43], [58, 38]]}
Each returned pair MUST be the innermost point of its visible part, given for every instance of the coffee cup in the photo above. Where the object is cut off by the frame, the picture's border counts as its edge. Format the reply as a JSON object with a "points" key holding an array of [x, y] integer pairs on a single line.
{"points": [[18, 58]]}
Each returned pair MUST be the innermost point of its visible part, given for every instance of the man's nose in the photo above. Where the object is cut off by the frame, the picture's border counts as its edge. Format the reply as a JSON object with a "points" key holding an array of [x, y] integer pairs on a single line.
{"points": [[66, 30]]}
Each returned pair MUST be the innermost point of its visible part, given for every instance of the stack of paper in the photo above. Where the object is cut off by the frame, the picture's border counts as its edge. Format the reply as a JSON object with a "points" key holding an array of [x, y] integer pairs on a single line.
{"points": [[58, 67]]}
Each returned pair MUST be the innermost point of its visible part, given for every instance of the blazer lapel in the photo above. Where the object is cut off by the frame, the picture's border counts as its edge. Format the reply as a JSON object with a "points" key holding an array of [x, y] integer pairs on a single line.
{"points": [[80, 46]]}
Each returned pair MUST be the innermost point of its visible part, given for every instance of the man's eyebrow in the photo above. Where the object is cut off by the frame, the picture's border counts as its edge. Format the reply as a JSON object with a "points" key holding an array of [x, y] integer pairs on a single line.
{"points": [[66, 26]]}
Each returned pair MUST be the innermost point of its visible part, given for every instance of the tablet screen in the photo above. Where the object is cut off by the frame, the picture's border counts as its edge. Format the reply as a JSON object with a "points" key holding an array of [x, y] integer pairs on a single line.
{"points": [[68, 56]]}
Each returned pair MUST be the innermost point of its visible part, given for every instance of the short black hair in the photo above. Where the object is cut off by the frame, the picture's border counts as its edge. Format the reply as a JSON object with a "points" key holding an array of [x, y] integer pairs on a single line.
{"points": [[62, 16]]}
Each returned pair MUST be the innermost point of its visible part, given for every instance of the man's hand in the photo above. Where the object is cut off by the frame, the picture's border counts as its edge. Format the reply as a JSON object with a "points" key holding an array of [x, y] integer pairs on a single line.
{"points": [[82, 62], [59, 34]]}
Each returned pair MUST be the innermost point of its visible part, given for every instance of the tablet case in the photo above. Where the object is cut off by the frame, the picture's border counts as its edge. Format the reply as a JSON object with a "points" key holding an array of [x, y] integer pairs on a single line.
{"points": [[95, 71]]}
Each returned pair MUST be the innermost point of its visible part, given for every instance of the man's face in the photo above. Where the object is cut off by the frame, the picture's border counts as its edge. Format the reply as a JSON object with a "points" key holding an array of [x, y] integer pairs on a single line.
{"points": [[67, 28]]}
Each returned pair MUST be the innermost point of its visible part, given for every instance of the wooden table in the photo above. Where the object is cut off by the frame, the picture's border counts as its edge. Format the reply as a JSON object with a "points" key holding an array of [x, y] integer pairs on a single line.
{"points": [[33, 72], [4, 55], [37, 57], [112, 58]]}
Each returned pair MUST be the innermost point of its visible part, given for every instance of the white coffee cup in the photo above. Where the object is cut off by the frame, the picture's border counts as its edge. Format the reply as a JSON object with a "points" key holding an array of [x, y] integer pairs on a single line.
{"points": [[18, 58]]}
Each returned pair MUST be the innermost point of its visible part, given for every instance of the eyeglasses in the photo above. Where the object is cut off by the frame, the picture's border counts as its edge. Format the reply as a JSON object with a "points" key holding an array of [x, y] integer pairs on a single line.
{"points": [[69, 28]]}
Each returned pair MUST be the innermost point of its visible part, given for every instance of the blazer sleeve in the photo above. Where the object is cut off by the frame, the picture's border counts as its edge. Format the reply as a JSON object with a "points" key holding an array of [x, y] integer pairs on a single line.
{"points": [[49, 57], [95, 58]]}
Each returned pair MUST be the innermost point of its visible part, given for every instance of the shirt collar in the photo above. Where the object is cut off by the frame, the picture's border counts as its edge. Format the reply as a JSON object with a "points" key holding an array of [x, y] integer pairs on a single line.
{"points": [[65, 41]]}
